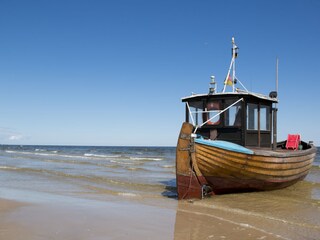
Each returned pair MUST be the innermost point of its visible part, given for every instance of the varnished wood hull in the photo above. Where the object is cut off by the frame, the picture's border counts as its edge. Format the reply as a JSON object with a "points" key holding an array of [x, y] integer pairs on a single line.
{"points": [[227, 171]]}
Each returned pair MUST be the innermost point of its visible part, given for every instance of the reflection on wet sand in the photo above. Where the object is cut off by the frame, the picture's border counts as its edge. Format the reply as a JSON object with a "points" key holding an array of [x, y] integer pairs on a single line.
{"points": [[292, 213], [199, 223]]}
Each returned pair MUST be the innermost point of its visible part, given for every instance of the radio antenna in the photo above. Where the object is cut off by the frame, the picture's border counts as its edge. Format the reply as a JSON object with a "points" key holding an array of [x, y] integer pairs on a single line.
{"points": [[275, 109]]}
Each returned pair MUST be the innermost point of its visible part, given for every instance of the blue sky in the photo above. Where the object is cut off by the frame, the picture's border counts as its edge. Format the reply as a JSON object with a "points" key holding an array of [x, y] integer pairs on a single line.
{"points": [[81, 72]]}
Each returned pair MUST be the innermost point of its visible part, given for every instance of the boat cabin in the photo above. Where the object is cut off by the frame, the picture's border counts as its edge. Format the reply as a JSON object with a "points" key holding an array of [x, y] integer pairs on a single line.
{"points": [[240, 117]]}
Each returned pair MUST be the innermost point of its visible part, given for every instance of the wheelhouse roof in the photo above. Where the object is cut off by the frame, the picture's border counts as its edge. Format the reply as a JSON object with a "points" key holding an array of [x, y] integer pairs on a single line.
{"points": [[222, 95]]}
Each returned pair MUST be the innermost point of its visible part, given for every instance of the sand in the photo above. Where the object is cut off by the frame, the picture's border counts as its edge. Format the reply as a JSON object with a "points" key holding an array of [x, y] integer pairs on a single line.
{"points": [[81, 221], [9, 228], [125, 219]]}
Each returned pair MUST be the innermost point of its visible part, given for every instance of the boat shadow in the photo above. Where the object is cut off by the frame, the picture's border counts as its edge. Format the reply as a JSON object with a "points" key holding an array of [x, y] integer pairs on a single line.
{"points": [[170, 187]]}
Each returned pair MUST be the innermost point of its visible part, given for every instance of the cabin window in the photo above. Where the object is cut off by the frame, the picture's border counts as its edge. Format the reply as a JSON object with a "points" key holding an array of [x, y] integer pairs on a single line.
{"points": [[211, 114], [233, 114], [264, 117], [252, 116], [195, 109]]}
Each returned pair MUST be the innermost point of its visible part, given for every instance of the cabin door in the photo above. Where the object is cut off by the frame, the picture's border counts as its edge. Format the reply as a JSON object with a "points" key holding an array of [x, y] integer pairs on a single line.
{"points": [[258, 129]]}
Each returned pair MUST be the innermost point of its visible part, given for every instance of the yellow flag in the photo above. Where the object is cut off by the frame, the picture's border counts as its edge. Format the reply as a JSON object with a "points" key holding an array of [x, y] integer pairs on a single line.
{"points": [[228, 81]]}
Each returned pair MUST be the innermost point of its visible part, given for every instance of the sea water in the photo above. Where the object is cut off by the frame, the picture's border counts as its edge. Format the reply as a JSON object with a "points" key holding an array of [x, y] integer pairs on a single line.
{"points": [[89, 171]]}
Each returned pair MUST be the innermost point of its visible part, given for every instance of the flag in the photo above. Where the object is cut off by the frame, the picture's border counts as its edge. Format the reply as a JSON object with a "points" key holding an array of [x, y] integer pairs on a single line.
{"points": [[228, 81]]}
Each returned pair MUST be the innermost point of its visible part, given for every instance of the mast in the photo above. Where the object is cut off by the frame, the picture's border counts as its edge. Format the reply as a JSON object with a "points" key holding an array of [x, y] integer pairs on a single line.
{"points": [[277, 75], [275, 110], [230, 80], [234, 55]]}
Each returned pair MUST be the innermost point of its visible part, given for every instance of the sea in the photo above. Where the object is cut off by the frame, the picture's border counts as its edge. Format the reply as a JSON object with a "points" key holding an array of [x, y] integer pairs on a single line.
{"points": [[92, 171], [34, 173]]}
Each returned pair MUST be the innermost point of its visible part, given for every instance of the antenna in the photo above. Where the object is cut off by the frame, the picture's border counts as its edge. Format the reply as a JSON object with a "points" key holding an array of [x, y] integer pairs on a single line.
{"points": [[277, 75], [275, 109]]}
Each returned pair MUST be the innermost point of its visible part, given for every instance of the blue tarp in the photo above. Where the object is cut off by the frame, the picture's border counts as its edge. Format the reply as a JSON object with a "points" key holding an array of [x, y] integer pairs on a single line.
{"points": [[224, 145]]}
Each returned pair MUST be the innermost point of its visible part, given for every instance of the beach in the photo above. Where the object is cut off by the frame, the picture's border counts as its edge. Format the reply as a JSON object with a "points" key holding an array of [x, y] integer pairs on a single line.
{"points": [[129, 193], [84, 220]]}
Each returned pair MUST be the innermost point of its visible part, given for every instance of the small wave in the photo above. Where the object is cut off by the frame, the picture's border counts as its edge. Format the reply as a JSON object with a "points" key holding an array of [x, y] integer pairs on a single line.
{"points": [[101, 155], [32, 153], [145, 159], [8, 168], [45, 150], [123, 162], [168, 166], [121, 158], [11, 151], [44, 154], [137, 169], [126, 194], [41, 152]]}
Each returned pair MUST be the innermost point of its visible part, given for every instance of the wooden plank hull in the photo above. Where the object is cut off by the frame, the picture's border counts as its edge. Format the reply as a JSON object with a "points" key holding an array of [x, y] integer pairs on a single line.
{"points": [[227, 171]]}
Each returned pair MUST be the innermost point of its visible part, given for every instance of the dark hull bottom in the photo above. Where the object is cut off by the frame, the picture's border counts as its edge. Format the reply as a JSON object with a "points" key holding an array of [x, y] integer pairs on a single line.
{"points": [[189, 187]]}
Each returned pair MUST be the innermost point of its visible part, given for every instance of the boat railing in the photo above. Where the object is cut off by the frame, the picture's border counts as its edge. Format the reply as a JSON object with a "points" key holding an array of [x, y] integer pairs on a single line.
{"points": [[210, 111]]}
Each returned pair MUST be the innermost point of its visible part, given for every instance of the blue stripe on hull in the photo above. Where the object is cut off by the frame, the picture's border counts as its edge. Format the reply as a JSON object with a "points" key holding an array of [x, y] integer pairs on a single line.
{"points": [[224, 145]]}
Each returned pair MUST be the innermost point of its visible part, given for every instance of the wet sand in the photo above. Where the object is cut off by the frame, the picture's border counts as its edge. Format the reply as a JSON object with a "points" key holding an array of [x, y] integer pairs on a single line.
{"points": [[198, 222], [91, 220], [128, 218], [9, 228]]}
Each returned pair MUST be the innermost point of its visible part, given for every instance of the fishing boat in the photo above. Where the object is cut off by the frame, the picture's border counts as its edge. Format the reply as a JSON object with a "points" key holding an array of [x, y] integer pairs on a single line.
{"points": [[228, 142]]}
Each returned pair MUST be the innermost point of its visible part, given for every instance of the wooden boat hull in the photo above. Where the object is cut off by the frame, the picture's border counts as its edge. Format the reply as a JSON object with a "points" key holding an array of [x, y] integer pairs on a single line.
{"points": [[226, 171]]}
